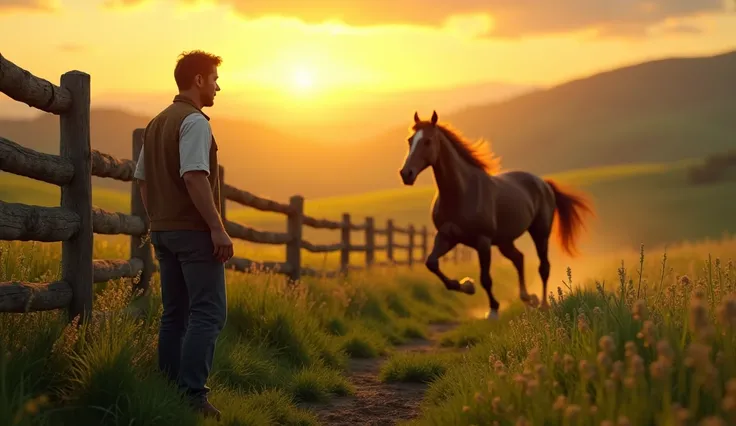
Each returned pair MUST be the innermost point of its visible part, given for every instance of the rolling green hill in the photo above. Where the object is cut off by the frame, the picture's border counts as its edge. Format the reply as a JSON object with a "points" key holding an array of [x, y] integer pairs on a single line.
{"points": [[658, 111]]}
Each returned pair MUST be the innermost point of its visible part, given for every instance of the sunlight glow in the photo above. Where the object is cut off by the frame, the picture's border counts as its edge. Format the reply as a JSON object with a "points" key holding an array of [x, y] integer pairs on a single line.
{"points": [[303, 79]]}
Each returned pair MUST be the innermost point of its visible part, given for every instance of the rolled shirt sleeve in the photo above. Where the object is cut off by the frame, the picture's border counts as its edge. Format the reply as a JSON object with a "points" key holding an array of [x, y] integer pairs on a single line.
{"points": [[195, 141]]}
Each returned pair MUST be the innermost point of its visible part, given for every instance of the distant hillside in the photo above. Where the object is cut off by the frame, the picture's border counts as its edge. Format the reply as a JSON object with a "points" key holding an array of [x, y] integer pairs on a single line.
{"points": [[664, 110], [256, 157]]}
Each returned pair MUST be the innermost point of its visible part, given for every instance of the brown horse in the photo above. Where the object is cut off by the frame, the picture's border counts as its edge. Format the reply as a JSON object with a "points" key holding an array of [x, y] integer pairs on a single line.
{"points": [[478, 208]]}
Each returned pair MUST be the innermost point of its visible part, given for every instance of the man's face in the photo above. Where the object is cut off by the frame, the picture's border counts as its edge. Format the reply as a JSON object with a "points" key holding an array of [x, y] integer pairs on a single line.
{"points": [[208, 87]]}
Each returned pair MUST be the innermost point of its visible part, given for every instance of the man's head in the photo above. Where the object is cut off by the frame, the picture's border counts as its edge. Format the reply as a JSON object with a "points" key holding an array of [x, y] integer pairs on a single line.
{"points": [[196, 76]]}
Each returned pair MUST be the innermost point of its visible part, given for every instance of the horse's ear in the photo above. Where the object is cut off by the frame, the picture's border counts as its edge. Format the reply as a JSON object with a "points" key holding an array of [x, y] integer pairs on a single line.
{"points": [[434, 117], [416, 117]]}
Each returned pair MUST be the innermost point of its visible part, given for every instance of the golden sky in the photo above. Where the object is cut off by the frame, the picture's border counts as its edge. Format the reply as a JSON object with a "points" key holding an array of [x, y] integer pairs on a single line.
{"points": [[317, 46]]}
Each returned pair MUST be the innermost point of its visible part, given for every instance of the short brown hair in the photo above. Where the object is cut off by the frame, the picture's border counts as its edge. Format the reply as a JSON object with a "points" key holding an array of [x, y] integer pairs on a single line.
{"points": [[192, 63]]}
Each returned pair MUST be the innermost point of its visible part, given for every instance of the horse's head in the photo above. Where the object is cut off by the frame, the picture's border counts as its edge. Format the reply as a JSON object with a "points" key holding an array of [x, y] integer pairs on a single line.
{"points": [[424, 148]]}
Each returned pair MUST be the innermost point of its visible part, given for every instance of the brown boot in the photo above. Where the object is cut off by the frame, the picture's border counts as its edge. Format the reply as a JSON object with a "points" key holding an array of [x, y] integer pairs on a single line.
{"points": [[206, 409]]}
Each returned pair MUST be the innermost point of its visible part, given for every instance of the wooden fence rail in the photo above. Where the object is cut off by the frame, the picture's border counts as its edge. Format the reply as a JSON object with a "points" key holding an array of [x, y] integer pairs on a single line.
{"points": [[76, 221]]}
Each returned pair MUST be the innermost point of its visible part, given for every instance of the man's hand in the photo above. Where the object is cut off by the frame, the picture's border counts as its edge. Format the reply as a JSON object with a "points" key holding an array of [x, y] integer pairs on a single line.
{"points": [[223, 245]]}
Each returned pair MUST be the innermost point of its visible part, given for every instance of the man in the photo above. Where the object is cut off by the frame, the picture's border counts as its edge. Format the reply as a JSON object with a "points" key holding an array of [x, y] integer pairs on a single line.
{"points": [[177, 173]]}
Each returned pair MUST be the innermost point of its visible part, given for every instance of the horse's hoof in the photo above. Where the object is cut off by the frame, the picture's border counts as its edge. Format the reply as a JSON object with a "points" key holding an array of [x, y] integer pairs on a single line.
{"points": [[467, 285], [530, 299], [492, 316]]}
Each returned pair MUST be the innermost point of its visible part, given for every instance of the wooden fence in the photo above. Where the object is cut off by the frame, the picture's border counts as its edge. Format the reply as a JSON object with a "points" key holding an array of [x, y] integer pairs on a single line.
{"points": [[76, 221]]}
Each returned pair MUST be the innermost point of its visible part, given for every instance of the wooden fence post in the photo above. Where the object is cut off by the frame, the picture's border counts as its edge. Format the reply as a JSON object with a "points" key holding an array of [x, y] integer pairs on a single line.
{"points": [[294, 228], [140, 246], [424, 243], [74, 145], [345, 238], [390, 240], [223, 199], [411, 245], [370, 242]]}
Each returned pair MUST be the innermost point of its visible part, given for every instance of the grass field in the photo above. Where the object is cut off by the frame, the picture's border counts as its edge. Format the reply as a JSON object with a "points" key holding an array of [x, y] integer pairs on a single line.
{"points": [[630, 348], [617, 346], [280, 347]]}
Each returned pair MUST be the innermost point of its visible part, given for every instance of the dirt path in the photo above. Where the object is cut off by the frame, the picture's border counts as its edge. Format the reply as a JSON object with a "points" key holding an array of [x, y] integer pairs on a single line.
{"points": [[376, 403]]}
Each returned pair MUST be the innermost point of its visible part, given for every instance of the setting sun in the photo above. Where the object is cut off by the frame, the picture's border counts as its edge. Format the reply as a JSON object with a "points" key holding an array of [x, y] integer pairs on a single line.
{"points": [[303, 79]]}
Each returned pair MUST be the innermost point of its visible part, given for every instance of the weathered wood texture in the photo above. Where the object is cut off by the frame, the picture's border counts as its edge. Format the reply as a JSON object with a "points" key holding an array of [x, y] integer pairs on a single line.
{"points": [[107, 166], [105, 270], [76, 252], [21, 297], [114, 223], [321, 223], [140, 246], [26, 162], [250, 200], [25, 87], [261, 237], [321, 248], [294, 228], [33, 223]]}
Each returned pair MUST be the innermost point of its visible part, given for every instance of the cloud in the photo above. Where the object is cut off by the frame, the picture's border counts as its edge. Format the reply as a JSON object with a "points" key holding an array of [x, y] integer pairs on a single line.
{"points": [[512, 18], [28, 5]]}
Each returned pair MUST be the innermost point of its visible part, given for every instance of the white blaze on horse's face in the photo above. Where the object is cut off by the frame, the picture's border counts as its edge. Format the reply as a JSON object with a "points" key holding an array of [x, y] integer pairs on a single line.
{"points": [[413, 166], [415, 141]]}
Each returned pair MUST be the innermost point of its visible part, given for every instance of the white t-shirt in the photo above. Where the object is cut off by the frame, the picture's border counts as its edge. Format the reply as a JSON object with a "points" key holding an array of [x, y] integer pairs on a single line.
{"points": [[195, 140]]}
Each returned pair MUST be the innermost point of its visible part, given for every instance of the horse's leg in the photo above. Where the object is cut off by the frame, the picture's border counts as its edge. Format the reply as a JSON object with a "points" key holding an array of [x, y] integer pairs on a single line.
{"points": [[483, 247], [540, 232], [443, 243], [510, 252]]}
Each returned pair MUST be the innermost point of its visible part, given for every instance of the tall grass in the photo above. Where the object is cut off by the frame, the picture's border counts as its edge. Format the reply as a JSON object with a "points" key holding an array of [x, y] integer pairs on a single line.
{"points": [[282, 345], [655, 345]]}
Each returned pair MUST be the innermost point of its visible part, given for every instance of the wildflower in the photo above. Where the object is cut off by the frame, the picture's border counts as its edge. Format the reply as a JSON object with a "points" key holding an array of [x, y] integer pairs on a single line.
{"points": [[583, 324], [604, 361], [466, 408], [617, 371], [727, 311], [699, 324], [712, 421], [531, 387], [478, 397], [569, 363], [630, 349], [640, 312], [560, 403], [496, 405], [607, 344], [587, 371], [623, 421], [522, 421], [647, 333], [572, 411], [598, 312]]}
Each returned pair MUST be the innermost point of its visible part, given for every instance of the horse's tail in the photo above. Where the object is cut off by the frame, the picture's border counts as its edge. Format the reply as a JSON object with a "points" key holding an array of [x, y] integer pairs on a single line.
{"points": [[569, 207]]}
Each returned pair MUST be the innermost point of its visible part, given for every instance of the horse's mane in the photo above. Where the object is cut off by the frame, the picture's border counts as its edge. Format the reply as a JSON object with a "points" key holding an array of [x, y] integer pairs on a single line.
{"points": [[478, 153]]}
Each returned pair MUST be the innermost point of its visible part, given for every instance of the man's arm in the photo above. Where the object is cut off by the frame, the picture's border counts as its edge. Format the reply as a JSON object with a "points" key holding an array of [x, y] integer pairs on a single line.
{"points": [[199, 190], [140, 176], [195, 141]]}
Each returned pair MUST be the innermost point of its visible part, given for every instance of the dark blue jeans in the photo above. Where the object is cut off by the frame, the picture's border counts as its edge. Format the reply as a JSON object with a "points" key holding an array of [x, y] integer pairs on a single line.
{"points": [[195, 307]]}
